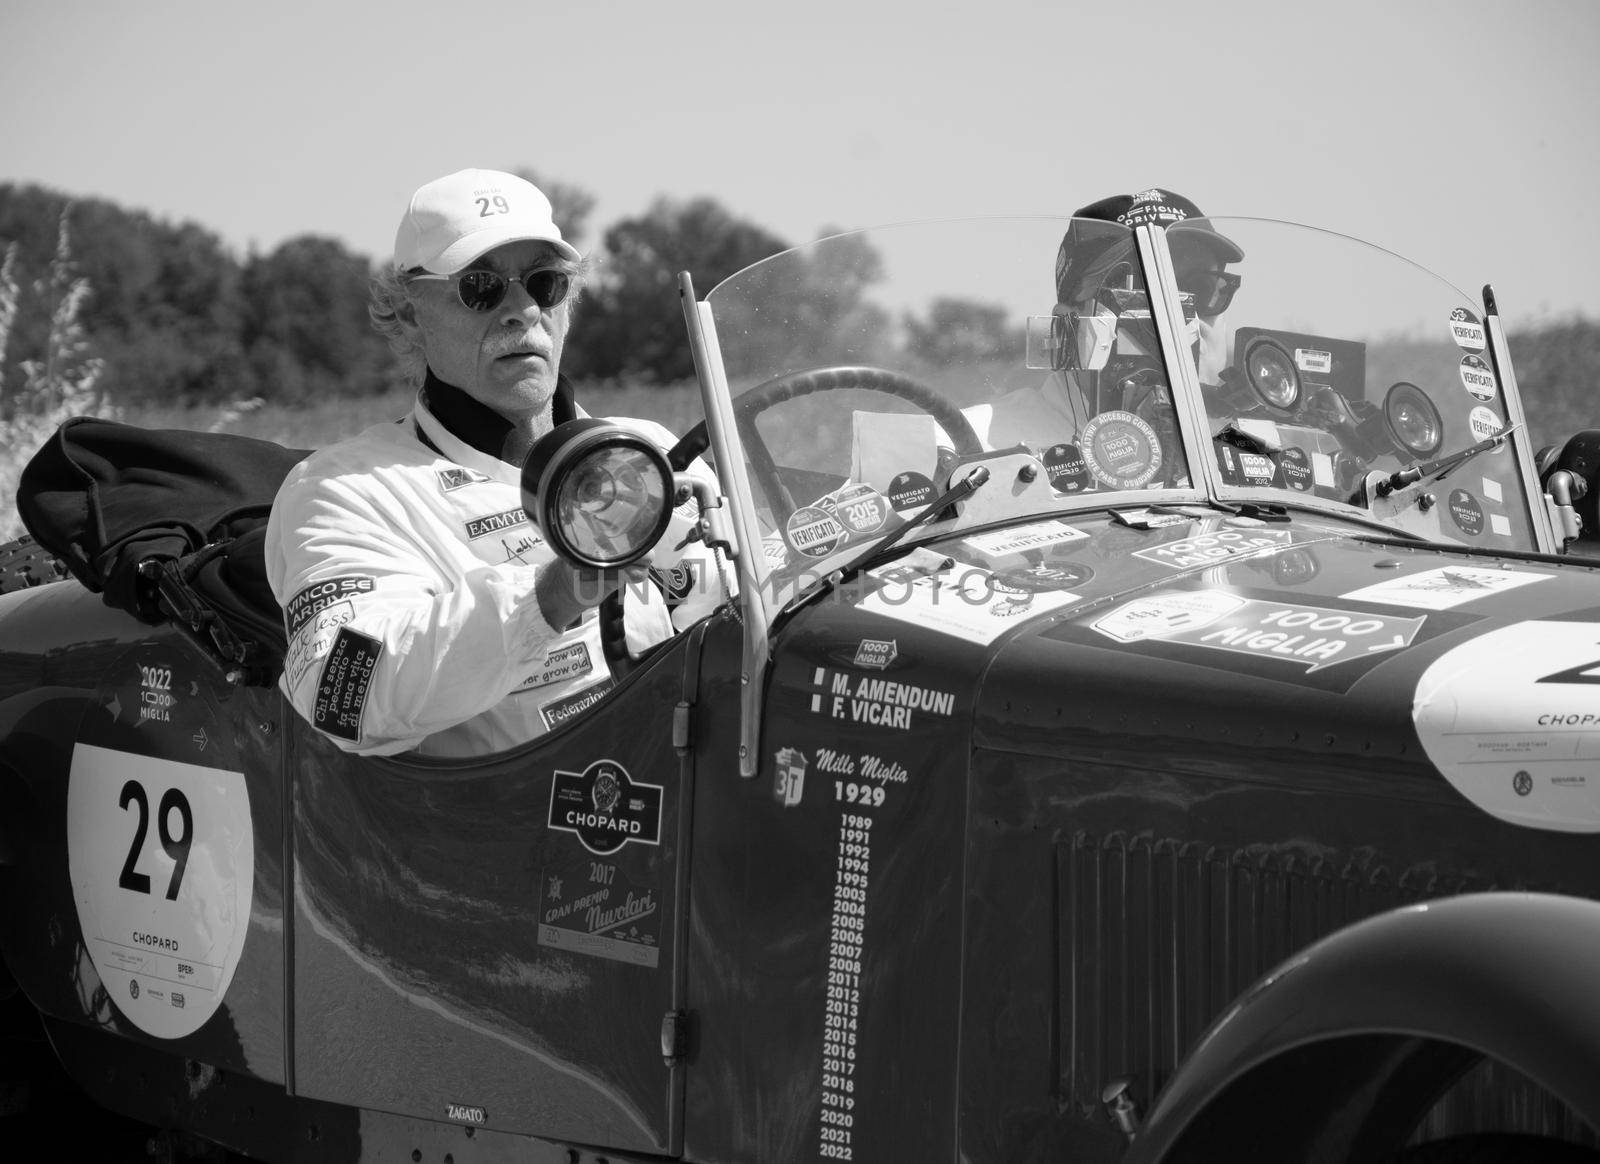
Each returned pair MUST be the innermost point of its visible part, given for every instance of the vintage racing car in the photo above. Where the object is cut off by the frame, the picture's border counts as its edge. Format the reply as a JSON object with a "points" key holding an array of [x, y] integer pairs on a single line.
{"points": [[1208, 767]]}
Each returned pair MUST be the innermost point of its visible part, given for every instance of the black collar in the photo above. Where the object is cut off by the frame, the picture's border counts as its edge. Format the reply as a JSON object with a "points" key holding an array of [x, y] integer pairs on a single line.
{"points": [[479, 425]]}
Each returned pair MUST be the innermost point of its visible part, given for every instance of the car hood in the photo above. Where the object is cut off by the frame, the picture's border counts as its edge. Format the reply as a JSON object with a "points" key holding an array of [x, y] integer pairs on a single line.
{"points": [[1232, 644]]}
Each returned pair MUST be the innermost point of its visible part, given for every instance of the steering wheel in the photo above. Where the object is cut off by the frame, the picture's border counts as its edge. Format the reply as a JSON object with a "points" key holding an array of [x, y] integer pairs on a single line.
{"points": [[796, 384]]}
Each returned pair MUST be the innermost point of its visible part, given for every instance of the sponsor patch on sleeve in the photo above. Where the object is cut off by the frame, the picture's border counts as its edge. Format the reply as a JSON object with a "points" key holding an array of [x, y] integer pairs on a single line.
{"points": [[346, 680], [560, 664], [319, 596], [677, 582]]}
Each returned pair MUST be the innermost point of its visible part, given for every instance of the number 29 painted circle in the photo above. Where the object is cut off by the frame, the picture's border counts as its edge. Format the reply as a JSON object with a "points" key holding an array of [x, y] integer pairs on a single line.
{"points": [[160, 845]]}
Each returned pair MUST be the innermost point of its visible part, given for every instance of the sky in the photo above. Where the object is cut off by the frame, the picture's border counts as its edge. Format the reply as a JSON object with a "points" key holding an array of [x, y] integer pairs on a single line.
{"points": [[1461, 134]]}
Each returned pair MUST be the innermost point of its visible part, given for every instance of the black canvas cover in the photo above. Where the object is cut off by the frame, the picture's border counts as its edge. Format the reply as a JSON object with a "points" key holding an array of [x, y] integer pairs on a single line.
{"points": [[137, 514]]}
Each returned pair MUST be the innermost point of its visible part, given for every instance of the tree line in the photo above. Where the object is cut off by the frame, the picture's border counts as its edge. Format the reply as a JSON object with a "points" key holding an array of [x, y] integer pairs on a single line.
{"points": [[169, 315], [175, 317]]}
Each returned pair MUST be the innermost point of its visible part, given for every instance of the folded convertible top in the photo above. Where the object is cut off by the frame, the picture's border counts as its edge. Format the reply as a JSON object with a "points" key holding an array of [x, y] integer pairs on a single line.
{"points": [[166, 524]]}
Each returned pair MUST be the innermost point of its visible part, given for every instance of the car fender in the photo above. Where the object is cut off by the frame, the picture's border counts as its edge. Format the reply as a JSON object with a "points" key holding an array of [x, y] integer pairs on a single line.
{"points": [[1510, 976]]}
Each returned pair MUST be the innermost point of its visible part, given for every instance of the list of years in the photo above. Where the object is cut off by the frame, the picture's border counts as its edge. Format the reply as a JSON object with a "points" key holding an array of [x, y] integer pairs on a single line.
{"points": [[843, 1008]]}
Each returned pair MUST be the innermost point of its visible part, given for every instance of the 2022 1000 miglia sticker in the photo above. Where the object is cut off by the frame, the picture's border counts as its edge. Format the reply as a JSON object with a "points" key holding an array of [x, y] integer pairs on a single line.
{"points": [[160, 846]]}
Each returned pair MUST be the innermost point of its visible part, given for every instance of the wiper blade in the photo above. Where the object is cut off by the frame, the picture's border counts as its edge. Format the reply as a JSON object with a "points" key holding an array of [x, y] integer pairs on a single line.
{"points": [[879, 550], [1431, 471]]}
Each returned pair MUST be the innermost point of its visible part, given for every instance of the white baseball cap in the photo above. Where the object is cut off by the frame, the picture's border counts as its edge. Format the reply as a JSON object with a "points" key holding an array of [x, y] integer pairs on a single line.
{"points": [[454, 219]]}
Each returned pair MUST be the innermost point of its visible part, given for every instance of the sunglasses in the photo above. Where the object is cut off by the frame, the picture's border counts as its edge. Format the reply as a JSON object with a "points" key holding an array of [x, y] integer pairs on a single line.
{"points": [[485, 290], [1212, 290]]}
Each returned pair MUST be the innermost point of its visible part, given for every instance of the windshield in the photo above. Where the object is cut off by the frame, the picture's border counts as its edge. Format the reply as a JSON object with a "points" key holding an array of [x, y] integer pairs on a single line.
{"points": [[1345, 360], [867, 370]]}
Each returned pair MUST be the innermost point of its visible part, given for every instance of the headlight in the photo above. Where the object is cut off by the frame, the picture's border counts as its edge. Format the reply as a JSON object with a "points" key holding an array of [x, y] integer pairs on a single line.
{"points": [[1413, 420], [1270, 371], [601, 494]]}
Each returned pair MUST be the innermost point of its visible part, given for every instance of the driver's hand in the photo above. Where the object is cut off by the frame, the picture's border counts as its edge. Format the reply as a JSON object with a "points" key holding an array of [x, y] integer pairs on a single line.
{"points": [[566, 591]]}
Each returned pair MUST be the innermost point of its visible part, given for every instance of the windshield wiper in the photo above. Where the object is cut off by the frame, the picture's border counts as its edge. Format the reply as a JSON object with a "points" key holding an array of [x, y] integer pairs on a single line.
{"points": [[879, 550], [1431, 471]]}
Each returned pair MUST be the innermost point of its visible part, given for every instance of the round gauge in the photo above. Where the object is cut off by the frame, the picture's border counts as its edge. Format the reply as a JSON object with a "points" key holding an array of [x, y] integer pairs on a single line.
{"points": [[1270, 371], [1413, 420]]}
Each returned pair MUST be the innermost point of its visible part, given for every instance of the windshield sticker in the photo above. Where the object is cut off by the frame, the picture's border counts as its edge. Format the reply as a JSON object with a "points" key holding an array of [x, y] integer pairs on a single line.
{"points": [[789, 776], [1322, 470], [813, 531], [605, 808], [1296, 469], [1485, 422], [1297, 633], [1511, 720], [876, 654], [1500, 524], [1478, 377], [910, 491], [1491, 489], [1466, 512], [1124, 451], [1445, 587], [1065, 467], [1025, 537], [970, 604], [859, 507], [1467, 331], [1242, 468], [1209, 549], [591, 907], [881, 702]]}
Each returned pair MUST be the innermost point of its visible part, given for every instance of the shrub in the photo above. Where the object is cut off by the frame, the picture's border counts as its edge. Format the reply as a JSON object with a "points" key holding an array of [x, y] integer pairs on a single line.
{"points": [[56, 383]]}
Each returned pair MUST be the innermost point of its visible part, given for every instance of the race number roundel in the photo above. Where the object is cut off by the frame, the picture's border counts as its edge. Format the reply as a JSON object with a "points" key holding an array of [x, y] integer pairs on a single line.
{"points": [[160, 845]]}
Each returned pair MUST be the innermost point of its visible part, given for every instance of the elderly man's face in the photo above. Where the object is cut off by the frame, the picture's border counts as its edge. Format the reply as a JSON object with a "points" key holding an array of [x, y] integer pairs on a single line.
{"points": [[506, 358]]}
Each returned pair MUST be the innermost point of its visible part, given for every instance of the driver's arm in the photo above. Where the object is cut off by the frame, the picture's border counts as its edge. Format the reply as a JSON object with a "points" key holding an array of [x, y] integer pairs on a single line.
{"points": [[396, 629]]}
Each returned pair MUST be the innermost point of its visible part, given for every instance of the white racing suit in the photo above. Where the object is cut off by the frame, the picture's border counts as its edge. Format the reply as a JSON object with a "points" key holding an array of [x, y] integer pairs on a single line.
{"points": [[407, 581]]}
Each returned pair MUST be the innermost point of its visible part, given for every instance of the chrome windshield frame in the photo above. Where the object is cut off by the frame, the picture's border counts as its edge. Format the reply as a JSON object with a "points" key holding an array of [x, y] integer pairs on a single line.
{"points": [[1543, 527], [727, 449]]}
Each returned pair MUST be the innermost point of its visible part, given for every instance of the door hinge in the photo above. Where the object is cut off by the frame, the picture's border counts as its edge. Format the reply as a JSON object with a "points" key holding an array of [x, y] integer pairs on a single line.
{"points": [[674, 1036], [682, 720]]}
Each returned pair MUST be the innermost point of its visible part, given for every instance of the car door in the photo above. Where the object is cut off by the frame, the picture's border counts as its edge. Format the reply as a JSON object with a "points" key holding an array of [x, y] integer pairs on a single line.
{"points": [[495, 942]]}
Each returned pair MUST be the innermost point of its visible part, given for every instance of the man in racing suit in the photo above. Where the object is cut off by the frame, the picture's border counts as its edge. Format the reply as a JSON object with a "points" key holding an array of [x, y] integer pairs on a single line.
{"points": [[423, 609]]}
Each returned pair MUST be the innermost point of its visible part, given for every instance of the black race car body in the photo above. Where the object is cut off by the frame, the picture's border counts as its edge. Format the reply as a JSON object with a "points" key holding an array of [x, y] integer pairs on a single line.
{"points": [[1188, 770]]}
